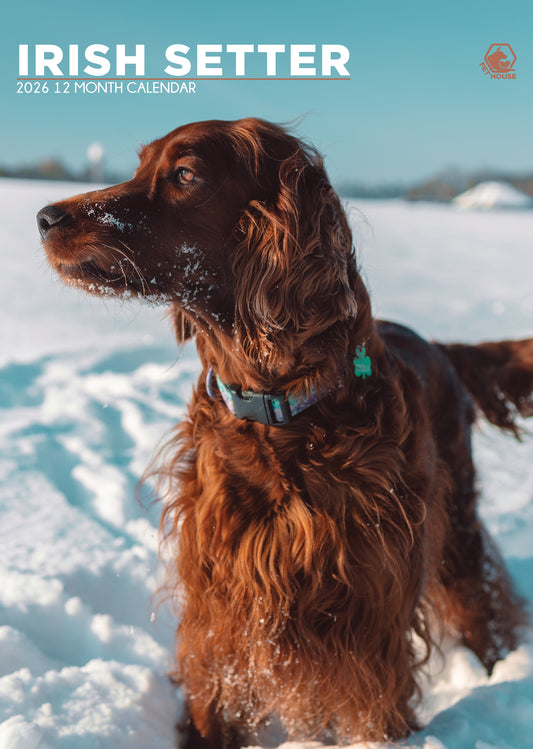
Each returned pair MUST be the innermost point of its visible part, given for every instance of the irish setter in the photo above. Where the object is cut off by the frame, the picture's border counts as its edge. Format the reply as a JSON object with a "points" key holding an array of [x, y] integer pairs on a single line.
{"points": [[319, 499]]}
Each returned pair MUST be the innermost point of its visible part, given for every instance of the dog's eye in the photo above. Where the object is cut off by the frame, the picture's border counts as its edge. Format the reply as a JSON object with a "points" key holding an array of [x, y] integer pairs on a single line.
{"points": [[185, 176]]}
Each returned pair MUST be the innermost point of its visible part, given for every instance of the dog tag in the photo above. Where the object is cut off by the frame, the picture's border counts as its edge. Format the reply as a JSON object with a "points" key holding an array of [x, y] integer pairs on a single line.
{"points": [[361, 363]]}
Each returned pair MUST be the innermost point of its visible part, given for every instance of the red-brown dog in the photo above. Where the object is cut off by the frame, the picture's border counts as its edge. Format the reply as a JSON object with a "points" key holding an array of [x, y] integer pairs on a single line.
{"points": [[320, 504]]}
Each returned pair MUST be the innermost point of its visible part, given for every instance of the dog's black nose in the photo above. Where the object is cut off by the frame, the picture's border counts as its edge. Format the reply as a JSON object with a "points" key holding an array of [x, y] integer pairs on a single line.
{"points": [[50, 217]]}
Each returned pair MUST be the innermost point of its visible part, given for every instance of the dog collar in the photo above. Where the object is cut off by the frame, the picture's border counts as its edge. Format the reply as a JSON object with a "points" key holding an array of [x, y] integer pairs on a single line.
{"points": [[276, 409]]}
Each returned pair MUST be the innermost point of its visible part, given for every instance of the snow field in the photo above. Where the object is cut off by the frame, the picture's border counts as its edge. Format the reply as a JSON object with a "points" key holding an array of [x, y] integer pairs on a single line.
{"points": [[87, 390]]}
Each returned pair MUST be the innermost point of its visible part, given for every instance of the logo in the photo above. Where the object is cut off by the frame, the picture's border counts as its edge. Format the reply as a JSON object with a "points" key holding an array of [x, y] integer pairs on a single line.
{"points": [[499, 61]]}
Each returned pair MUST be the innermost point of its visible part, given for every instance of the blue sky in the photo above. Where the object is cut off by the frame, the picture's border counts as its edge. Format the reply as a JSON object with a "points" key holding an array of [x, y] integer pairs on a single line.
{"points": [[417, 101]]}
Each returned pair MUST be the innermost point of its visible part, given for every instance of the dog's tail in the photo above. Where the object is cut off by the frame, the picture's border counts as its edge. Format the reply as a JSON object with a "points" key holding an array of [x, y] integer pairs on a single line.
{"points": [[499, 377]]}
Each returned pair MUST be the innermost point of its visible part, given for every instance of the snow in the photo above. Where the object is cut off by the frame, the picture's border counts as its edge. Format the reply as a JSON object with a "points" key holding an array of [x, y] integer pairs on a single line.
{"points": [[88, 387], [490, 195]]}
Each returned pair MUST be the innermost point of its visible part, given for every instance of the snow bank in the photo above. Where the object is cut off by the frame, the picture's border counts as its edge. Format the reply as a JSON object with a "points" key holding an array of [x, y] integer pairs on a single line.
{"points": [[490, 195], [87, 389]]}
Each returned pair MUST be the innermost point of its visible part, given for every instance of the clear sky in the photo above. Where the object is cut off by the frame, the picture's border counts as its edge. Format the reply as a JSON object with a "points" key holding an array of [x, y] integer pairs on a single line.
{"points": [[417, 100]]}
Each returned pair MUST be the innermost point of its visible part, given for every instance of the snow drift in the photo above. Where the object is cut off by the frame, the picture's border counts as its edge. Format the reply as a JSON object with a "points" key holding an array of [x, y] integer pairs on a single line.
{"points": [[493, 195]]}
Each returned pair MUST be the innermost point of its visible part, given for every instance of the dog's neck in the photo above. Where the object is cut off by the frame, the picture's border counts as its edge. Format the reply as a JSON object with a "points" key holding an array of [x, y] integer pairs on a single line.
{"points": [[279, 404], [272, 380]]}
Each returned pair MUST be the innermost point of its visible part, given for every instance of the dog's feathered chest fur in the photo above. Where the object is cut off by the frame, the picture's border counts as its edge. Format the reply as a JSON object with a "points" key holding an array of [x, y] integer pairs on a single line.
{"points": [[294, 540]]}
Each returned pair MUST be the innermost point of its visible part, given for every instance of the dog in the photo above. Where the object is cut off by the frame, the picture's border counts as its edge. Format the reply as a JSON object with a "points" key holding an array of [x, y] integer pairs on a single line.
{"points": [[319, 499]]}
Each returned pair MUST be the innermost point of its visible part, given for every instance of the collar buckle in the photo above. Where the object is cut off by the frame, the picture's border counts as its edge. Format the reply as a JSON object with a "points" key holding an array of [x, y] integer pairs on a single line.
{"points": [[273, 409], [267, 408]]}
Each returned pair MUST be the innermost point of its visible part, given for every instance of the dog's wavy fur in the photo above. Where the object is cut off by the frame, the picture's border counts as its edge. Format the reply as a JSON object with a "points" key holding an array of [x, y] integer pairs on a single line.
{"points": [[314, 566]]}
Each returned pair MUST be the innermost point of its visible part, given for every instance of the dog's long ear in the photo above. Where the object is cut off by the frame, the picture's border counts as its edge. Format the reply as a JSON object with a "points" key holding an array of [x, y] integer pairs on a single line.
{"points": [[183, 328], [294, 268]]}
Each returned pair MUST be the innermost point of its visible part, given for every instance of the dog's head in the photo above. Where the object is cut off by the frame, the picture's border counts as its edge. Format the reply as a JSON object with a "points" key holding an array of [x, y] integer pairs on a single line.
{"points": [[233, 223]]}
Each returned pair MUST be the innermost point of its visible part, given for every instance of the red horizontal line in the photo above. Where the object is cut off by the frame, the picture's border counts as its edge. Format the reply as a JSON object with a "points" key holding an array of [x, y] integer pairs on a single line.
{"points": [[218, 78]]}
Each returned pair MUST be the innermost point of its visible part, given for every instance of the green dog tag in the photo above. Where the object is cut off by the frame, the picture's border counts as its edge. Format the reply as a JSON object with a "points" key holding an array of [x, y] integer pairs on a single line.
{"points": [[361, 363]]}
